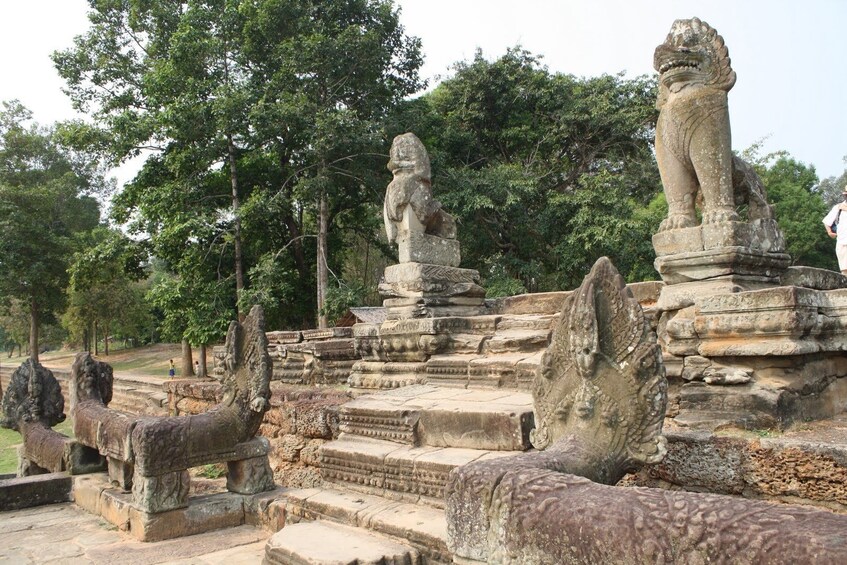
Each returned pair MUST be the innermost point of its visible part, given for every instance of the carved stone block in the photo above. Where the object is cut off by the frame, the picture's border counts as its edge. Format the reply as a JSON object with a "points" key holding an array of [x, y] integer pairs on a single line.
{"points": [[414, 247], [160, 493], [249, 476], [120, 473], [423, 290], [810, 277], [721, 262]]}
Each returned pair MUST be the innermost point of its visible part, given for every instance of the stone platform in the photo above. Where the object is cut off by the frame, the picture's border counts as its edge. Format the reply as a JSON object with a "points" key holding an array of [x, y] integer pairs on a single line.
{"points": [[95, 493], [64, 533]]}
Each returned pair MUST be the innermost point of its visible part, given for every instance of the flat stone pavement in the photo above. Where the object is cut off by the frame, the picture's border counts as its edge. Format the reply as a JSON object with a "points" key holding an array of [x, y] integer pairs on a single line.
{"points": [[63, 533]]}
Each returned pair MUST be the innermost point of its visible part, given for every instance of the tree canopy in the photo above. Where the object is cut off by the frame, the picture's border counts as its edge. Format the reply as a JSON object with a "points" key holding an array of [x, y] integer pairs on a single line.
{"points": [[264, 126], [545, 171], [45, 202], [263, 119]]}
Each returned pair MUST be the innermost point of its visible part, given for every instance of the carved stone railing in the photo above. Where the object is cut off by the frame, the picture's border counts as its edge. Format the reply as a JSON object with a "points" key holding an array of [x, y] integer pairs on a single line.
{"points": [[152, 455], [32, 405]]}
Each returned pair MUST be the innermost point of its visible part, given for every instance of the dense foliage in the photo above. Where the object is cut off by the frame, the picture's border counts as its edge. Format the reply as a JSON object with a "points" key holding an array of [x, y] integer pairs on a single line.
{"points": [[261, 123], [546, 171], [45, 203]]}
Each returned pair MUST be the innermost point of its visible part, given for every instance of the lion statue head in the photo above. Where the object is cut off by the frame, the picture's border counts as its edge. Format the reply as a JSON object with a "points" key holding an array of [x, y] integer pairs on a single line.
{"points": [[692, 54]]}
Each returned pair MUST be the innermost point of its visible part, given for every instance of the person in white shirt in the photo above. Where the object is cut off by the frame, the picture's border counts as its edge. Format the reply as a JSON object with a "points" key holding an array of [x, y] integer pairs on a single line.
{"points": [[835, 215]]}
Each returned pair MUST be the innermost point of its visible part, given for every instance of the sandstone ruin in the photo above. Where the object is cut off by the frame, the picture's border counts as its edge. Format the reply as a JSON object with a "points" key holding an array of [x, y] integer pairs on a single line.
{"points": [[603, 424], [151, 455]]}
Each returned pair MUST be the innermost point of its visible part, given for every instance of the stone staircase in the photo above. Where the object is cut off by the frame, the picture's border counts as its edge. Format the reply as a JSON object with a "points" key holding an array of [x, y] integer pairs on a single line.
{"points": [[138, 396], [466, 398], [386, 473]]}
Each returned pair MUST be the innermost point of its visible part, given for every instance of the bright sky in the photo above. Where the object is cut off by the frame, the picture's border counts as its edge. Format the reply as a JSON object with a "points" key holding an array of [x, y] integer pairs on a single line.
{"points": [[788, 54]]}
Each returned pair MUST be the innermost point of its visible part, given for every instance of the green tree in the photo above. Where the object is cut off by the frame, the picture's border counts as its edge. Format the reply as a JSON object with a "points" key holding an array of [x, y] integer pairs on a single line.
{"points": [[799, 210], [831, 188], [44, 203], [271, 105], [103, 291], [15, 322]]}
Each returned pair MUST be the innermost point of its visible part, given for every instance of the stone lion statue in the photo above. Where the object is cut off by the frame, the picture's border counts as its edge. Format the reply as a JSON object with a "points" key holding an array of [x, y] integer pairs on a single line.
{"points": [[412, 187], [693, 139]]}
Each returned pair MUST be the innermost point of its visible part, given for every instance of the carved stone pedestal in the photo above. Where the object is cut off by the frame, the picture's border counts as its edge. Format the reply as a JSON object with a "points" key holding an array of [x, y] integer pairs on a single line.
{"points": [[761, 235], [249, 476], [752, 354], [415, 247], [120, 473], [160, 493], [425, 290], [718, 257]]}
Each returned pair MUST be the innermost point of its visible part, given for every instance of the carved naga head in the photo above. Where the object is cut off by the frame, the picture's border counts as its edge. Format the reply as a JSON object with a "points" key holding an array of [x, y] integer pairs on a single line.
{"points": [[601, 379], [33, 395], [90, 380], [693, 53], [247, 364]]}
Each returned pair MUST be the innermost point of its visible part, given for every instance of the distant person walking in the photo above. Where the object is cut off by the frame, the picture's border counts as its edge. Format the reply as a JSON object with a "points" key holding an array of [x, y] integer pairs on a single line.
{"points": [[833, 220], [172, 370]]}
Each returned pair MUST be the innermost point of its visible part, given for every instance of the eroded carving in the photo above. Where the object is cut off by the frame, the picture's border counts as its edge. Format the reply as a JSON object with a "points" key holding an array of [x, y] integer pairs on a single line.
{"points": [[412, 188], [602, 379], [159, 450], [33, 396], [33, 405], [694, 142]]}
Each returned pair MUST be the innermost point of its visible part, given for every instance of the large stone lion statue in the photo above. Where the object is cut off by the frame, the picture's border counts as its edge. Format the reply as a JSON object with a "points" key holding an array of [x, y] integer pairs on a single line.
{"points": [[412, 187], [693, 140]]}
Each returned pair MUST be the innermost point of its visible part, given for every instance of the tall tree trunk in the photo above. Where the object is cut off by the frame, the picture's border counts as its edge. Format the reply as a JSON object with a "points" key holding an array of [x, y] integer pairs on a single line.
{"points": [[86, 340], [203, 371], [33, 330], [95, 339], [187, 362], [297, 245], [106, 339], [236, 204], [323, 272]]}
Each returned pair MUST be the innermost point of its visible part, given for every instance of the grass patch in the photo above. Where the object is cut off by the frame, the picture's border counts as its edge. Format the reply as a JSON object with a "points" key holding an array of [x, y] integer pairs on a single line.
{"points": [[9, 440], [212, 471]]}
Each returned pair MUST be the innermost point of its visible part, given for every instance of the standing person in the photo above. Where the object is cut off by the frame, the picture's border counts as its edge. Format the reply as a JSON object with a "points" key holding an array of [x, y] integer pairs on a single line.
{"points": [[197, 368], [835, 215], [172, 370]]}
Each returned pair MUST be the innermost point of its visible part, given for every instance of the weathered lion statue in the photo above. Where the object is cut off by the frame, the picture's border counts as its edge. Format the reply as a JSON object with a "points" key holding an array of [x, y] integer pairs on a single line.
{"points": [[412, 187], [693, 139]]}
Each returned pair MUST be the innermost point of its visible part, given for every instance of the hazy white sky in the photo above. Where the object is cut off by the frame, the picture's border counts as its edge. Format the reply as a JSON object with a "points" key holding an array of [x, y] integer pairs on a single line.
{"points": [[788, 54]]}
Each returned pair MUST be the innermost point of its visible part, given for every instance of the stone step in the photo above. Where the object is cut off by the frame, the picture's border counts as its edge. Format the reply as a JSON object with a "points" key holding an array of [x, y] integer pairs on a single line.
{"points": [[380, 375], [325, 543], [540, 322], [424, 415], [422, 527], [400, 472], [505, 370], [517, 339]]}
